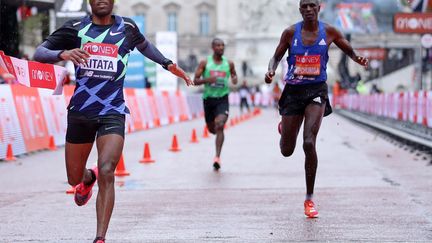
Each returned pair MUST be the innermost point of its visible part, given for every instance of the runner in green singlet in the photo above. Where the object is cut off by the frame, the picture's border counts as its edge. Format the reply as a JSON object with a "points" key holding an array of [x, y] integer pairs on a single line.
{"points": [[214, 73]]}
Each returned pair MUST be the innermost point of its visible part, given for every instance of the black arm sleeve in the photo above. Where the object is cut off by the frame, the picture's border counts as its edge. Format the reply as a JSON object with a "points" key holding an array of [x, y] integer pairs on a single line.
{"points": [[45, 55], [133, 33], [144, 46], [65, 38], [151, 52]]}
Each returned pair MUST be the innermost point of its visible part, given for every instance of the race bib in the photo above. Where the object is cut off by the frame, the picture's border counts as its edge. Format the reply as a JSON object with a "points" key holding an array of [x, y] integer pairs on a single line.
{"points": [[220, 78], [308, 65], [102, 62]]}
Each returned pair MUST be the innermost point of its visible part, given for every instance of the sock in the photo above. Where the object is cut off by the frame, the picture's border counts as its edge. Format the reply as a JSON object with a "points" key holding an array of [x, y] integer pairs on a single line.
{"points": [[309, 196]]}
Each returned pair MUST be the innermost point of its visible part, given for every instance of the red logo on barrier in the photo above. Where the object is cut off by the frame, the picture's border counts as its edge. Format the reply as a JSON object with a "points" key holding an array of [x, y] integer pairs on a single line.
{"points": [[8, 62], [42, 75]]}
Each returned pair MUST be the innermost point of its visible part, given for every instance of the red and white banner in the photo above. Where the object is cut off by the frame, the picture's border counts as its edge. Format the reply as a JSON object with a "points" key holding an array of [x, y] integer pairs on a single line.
{"points": [[417, 23], [30, 116], [413, 106], [32, 119], [54, 110], [429, 109], [34, 74], [10, 129]]}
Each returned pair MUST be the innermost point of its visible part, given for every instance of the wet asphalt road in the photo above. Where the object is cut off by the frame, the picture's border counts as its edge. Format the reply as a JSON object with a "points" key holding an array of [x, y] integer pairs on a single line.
{"points": [[367, 189]]}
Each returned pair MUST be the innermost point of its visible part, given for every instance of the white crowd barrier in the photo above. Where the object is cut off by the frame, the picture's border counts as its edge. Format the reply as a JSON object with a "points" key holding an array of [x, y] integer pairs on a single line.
{"points": [[414, 106], [29, 117], [263, 99]]}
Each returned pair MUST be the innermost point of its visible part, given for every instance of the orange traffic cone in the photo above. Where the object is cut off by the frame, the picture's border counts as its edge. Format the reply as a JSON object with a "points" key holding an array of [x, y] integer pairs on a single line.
{"points": [[205, 132], [232, 122], [194, 138], [174, 145], [9, 153], [52, 146], [71, 190], [257, 111], [147, 157], [121, 169]]}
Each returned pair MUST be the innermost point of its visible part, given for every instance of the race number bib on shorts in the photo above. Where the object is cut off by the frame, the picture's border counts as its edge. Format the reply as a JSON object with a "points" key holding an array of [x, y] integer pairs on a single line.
{"points": [[102, 62], [308, 65], [220, 78]]}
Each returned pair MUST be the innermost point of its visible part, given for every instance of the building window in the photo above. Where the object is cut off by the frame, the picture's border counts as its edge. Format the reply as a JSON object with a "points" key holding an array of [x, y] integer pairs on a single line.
{"points": [[204, 28], [172, 21]]}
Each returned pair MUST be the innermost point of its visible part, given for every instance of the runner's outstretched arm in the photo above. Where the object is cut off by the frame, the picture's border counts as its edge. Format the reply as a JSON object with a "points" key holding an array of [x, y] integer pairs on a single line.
{"points": [[346, 47], [279, 52], [46, 55], [151, 52]]}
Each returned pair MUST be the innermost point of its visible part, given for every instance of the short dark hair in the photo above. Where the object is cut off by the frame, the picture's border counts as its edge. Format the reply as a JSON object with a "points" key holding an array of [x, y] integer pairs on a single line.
{"points": [[216, 40], [317, 1]]}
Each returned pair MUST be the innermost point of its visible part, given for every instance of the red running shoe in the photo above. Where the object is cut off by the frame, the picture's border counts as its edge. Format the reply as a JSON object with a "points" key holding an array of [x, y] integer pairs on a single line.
{"points": [[309, 209], [83, 192], [99, 240]]}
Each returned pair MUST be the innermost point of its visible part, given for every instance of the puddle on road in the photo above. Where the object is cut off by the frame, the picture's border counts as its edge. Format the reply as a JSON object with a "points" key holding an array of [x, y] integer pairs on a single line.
{"points": [[390, 181]]}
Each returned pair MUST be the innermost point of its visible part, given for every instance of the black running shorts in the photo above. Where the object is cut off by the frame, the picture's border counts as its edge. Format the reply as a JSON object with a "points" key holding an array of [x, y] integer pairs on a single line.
{"points": [[214, 107], [295, 98], [83, 129]]}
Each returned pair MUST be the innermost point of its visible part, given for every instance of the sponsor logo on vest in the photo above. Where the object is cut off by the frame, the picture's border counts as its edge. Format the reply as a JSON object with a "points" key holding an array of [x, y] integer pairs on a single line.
{"points": [[101, 49], [114, 33], [308, 59], [100, 64]]}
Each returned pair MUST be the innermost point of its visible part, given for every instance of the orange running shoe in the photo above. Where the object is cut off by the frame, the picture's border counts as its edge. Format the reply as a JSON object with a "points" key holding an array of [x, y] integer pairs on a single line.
{"points": [[309, 209], [216, 164], [83, 192]]}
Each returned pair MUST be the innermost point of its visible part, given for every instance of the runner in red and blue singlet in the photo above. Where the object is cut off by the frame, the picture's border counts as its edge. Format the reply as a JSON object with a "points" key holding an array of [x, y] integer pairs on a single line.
{"points": [[305, 96]]}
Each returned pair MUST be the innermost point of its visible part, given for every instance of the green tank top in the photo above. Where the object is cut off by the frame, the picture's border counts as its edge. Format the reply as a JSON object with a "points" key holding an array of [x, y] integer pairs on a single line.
{"points": [[222, 72]]}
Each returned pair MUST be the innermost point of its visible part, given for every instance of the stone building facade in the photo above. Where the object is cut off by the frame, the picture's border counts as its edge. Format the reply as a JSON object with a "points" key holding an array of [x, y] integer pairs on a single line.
{"points": [[250, 28]]}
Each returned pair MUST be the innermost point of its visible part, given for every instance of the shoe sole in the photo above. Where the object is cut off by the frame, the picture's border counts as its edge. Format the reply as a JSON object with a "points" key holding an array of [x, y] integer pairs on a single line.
{"points": [[85, 201], [216, 166], [96, 172], [311, 217]]}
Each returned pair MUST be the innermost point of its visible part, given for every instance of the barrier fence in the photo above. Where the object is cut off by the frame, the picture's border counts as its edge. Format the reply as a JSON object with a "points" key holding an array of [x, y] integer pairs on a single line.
{"points": [[30, 117], [414, 106]]}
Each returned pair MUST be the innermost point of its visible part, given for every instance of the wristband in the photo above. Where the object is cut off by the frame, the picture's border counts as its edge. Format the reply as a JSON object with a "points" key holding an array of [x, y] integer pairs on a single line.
{"points": [[58, 55], [166, 63]]}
